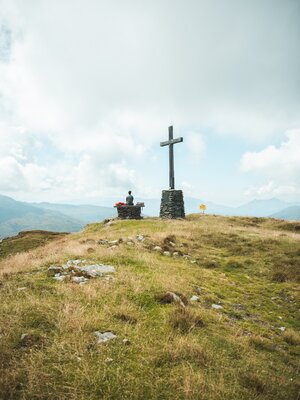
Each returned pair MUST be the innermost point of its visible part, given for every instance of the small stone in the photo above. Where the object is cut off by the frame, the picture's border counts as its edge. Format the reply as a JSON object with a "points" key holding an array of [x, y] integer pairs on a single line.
{"points": [[102, 241], [216, 306], [109, 360], [59, 277], [54, 269], [140, 238], [186, 256], [175, 254], [198, 290], [157, 248], [194, 298], [129, 243], [113, 247], [113, 242], [21, 288], [171, 297], [282, 328], [166, 253], [193, 261], [126, 341], [104, 336], [79, 279], [97, 270], [172, 244]]}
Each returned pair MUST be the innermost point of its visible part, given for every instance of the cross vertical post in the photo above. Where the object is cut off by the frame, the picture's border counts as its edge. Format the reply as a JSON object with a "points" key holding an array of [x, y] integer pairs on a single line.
{"points": [[171, 143], [171, 159]]}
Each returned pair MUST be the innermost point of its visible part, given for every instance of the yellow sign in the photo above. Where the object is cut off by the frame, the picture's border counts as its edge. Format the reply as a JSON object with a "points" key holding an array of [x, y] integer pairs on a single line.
{"points": [[202, 207]]}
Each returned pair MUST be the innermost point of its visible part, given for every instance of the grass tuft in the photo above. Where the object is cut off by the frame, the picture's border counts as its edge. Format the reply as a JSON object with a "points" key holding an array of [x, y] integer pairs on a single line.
{"points": [[185, 320]]}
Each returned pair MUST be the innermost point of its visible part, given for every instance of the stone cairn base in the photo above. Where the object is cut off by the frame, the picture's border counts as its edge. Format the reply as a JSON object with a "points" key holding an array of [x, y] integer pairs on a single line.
{"points": [[129, 212], [172, 204]]}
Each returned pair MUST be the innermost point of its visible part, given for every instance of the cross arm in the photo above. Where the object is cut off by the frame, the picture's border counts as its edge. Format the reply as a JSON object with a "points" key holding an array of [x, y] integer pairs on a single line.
{"points": [[173, 141]]}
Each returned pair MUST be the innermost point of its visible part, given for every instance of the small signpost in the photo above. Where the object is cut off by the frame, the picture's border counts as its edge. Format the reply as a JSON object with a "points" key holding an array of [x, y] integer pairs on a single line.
{"points": [[202, 208]]}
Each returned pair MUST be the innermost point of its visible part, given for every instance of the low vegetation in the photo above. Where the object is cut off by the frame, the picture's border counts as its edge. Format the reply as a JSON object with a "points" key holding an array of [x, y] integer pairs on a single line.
{"points": [[233, 335]]}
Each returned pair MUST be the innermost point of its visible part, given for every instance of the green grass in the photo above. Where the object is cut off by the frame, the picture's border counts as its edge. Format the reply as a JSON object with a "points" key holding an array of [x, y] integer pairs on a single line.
{"points": [[237, 352], [26, 241]]}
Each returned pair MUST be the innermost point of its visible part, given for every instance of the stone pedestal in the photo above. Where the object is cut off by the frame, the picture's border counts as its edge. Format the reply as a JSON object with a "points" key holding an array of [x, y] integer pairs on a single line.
{"points": [[172, 204], [129, 212]]}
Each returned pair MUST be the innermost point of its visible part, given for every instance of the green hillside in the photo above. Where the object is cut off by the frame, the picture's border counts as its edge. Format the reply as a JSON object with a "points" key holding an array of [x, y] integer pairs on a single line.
{"points": [[16, 216], [203, 308]]}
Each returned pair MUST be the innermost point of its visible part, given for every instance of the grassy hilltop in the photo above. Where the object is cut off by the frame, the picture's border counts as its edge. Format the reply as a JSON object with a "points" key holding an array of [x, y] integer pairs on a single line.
{"points": [[248, 348]]}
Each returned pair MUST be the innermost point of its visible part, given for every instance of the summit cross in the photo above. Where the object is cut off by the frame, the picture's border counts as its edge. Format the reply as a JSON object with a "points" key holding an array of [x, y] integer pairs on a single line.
{"points": [[171, 143]]}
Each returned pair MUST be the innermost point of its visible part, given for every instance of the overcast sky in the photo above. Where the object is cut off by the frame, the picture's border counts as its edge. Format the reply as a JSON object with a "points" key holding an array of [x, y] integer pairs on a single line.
{"points": [[88, 89]]}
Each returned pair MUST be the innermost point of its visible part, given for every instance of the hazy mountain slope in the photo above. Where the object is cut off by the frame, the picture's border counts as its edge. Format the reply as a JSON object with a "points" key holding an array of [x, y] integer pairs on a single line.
{"points": [[84, 213], [261, 208], [16, 216], [10, 208], [292, 213], [44, 220]]}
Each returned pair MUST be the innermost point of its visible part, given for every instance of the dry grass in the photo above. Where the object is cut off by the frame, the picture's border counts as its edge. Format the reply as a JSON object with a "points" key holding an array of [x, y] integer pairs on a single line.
{"points": [[196, 352]]}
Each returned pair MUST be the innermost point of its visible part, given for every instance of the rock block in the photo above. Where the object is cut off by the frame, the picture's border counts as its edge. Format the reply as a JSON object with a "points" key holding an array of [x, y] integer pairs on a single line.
{"points": [[172, 204]]}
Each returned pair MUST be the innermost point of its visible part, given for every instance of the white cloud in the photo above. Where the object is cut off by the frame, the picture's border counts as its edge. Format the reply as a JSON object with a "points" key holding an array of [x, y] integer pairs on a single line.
{"points": [[280, 166], [100, 83], [196, 145]]}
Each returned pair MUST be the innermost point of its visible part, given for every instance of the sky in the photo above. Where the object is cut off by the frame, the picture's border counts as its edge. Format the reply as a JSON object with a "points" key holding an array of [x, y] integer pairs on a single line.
{"points": [[88, 89]]}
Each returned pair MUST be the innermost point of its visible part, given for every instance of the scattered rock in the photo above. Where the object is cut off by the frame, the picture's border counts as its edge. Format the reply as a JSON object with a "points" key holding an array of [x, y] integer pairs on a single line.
{"points": [[79, 279], [186, 256], [109, 360], [193, 261], [198, 290], [97, 270], [194, 298], [113, 242], [216, 306], [172, 244], [126, 341], [113, 247], [103, 337], [171, 297], [80, 272], [59, 277], [19, 289], [166, 253], [175, 254], [102, 241], [130, 243], [31, 340], [282, 328], [54, 269], [157, 248], [140, 238]]}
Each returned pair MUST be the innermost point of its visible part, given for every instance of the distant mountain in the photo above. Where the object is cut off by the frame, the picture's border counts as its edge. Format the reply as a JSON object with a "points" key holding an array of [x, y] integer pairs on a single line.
{"points": [[83, 213], [291, 213], [16, 216], [261, 208], [255, 208]]}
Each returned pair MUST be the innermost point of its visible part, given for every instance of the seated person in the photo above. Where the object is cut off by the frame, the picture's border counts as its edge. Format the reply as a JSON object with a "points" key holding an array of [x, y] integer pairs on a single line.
{"points": [[129, 199]]}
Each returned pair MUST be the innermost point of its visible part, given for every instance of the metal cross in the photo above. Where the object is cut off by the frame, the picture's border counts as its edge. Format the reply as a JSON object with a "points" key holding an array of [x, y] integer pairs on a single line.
{"points": [[171, 143]]}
